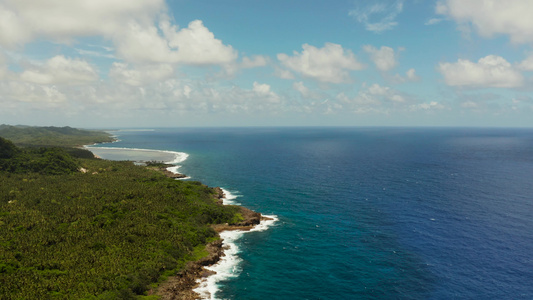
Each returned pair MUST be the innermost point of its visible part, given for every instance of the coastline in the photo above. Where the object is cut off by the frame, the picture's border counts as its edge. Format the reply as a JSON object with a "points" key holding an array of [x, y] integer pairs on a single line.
{"points": [[198, 280], [192, 282]]}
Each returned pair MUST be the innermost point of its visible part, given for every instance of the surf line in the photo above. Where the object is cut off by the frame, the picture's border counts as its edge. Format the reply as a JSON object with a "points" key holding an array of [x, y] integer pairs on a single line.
{"points": [[228, 265]]}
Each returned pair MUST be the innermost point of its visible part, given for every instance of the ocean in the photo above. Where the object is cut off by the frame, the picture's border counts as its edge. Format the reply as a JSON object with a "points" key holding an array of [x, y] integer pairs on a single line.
{"points": [[365, 213]]}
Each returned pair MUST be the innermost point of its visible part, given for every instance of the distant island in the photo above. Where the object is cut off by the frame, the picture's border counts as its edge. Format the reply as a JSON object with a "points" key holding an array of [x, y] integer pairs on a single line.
{"points": [[78, 227]]}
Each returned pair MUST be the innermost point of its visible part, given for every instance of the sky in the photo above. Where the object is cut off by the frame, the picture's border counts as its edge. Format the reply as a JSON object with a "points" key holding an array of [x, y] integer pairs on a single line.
{"points": [[174, 63]]}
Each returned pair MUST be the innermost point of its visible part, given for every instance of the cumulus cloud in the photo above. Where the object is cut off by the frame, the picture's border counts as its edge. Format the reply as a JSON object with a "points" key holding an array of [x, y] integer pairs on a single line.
{"points": [[23, 20], [263, 90], [35, 94], [526, 64], [384, 58], [197, 45], [492, 17], [300, 87], [194, 45], [427, 106], [378, 16], [307, 93], [139, 29], [254, 62], [376, 98], [410, 76], [246, 63], [283, 74], [386, 93], [362, 103], [489, 71], [60, 70], [140, 75], [330, 63]]}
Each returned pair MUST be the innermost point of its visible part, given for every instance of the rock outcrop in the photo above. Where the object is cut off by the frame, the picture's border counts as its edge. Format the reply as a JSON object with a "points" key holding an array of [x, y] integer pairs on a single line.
{"points": [[181, 286]]}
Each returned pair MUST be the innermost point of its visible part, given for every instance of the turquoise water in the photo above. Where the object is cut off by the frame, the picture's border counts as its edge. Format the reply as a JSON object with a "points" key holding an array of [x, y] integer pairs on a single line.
{"points": [[365, 213]]}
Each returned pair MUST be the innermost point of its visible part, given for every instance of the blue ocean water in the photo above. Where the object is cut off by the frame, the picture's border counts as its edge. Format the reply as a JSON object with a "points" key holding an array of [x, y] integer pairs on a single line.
{"points": [[366, 213]]}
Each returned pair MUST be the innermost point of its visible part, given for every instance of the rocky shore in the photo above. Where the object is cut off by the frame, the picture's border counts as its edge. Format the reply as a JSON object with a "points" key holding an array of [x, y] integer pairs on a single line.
{"points": [[163, 169], [172, 174], [183, 284]]}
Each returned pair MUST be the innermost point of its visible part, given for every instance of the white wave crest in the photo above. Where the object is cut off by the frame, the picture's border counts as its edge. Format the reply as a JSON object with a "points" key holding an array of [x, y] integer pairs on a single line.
{"points": [[229, 198], [228, 265]]}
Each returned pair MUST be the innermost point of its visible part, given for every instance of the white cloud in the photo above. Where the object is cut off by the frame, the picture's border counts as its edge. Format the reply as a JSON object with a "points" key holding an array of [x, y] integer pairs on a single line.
{"points": [[433, 105], [283, 74], [197, 45], [307, 93], [130, 25], [491, 17], [469, 104], [527, 64], [3, 66], [187, 91], [385, 92], [140, 75], [328, 64], [378, 16], [300, 87], [434, 21], [261, 89], [264, 92], [35, 94], [143, 44], [384, 58], [376, 98], [95, 53], [60, 70], [246, 63], [489, 71], [23, 20], [194, 45], [254, 62], [410, 76]]}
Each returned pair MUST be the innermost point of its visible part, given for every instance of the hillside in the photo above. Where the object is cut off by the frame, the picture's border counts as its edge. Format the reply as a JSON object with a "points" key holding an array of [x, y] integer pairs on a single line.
{"points": [[52, 136]]}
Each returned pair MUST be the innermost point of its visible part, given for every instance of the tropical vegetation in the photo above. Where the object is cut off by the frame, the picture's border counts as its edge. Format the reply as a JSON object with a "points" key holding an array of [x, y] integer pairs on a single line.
{"points": [[52, 136], [73, 227]]}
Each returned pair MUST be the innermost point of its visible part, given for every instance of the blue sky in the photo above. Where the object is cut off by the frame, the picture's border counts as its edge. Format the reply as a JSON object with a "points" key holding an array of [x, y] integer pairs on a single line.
{"points": [[156, 63]]}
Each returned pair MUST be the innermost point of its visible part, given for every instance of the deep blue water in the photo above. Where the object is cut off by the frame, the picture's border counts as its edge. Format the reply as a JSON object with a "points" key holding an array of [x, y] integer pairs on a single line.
{"points": [[365, 213]]}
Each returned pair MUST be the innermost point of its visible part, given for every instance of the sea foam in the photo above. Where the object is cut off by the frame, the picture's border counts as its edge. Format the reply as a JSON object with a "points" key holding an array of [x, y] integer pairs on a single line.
{"points": [[228, 265], [229, 198]]}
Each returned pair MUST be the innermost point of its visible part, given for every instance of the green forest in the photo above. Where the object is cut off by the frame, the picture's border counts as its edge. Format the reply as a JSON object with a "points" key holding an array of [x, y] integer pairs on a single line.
{"points": [[77, 227], [52, 136]]}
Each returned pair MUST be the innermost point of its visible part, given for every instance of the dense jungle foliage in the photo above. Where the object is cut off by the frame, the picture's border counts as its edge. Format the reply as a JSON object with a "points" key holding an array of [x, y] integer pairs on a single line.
{"points": [[52, 136], [78, 228]]}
